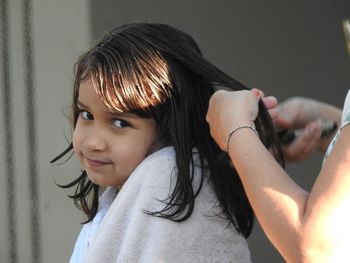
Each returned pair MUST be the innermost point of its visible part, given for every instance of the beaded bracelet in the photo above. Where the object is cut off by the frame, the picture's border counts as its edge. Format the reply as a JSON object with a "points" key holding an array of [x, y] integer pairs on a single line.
{"points": [[236, 129]]}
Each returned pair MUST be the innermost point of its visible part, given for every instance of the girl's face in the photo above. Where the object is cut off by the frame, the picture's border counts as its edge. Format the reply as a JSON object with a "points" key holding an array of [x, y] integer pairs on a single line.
{"points": [[109, 145]]}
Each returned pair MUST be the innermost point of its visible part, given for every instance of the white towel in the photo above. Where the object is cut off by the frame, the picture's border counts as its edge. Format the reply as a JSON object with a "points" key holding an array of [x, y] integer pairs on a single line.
{"points": [[127, 234]]}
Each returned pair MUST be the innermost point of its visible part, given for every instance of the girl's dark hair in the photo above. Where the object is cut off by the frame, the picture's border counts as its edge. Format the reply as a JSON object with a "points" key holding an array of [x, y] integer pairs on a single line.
{"points": [[158, 71]]}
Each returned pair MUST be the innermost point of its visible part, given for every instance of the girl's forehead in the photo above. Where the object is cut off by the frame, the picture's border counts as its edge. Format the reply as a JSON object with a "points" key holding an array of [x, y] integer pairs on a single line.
{"points": [[86, 86], [87, 91], [89, 96]]}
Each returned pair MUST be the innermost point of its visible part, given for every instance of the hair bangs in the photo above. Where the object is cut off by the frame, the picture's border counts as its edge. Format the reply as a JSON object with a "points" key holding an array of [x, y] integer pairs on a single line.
{"points": [[134, 81]]}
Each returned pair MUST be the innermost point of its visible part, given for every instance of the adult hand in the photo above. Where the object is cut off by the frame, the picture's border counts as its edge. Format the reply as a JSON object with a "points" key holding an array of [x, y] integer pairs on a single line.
{"points": [[300, 114], [230, 109], [270, 103]]}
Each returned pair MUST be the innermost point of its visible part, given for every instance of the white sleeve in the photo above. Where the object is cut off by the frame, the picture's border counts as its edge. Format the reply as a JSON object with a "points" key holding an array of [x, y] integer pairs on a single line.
{"points": [[81, 245], [346, 111]]}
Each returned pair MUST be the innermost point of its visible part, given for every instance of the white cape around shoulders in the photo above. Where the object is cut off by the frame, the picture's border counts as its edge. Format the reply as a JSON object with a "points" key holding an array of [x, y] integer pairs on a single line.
{"points": [[127, 234]]}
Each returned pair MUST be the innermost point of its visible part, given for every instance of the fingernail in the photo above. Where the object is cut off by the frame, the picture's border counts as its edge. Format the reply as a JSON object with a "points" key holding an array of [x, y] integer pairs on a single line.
{"points": [[255, 92]]}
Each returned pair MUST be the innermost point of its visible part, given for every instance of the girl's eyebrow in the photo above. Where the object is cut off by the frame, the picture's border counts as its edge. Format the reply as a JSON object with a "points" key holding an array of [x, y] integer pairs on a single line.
{"points": [[123, 114], [82, 104]]}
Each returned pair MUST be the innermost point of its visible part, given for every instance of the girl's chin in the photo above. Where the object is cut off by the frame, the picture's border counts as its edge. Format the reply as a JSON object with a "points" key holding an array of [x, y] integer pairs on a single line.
{"points": [[103, 182]]}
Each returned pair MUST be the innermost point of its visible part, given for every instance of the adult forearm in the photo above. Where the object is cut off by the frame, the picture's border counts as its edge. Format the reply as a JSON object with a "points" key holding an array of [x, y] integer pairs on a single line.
{"points": [[279, 203], [327, 217]]}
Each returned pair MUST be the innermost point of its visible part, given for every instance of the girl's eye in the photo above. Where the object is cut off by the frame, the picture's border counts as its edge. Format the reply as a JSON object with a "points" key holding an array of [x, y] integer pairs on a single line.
{"points": [[120, 123], [86, 115]]}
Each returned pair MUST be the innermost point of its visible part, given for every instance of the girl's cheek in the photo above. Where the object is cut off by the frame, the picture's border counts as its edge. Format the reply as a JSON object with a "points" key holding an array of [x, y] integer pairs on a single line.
{"points": [[76, 140]]}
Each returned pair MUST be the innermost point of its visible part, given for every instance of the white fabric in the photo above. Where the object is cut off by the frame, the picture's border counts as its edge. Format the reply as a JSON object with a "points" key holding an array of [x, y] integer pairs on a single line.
{"points": [[89, 230], [127, 234], [344, 121], [346, 110]]}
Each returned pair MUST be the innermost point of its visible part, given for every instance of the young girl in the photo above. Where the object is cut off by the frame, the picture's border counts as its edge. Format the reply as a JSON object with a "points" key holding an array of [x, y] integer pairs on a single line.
{"points": [[139, 104]]}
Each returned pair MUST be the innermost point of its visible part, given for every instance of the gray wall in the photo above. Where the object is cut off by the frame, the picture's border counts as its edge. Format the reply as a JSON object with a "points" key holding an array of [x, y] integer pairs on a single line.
{"points": [[286, 48], [61, 31]]}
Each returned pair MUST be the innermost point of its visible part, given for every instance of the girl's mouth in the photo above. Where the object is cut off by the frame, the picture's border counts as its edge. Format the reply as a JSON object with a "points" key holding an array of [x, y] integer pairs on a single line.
{"points": [[96, 162]]}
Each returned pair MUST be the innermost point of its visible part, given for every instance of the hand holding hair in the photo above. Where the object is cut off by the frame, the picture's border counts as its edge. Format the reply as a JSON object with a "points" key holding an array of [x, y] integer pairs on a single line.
{"points": [[232, 110], [228, 110]]}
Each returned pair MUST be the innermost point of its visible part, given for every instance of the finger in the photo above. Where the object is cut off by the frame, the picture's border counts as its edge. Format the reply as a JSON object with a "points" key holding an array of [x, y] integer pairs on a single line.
{"points": [[258, 93], [284, 119], [273, 113], [313, 143], [281, 122], [270, 102]]}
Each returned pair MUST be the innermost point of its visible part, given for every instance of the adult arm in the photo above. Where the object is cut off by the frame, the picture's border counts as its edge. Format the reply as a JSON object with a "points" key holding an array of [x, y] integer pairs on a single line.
{"points": [[291, 218]]}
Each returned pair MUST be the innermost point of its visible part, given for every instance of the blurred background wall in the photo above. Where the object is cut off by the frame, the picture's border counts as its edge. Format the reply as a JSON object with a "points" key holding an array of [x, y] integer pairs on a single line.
{"points": [[286, 48], [60, 32]]}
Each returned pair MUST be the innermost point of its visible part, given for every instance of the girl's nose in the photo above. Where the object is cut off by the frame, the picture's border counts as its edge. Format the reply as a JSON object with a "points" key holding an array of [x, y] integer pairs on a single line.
{"points": [[96, 140]]}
